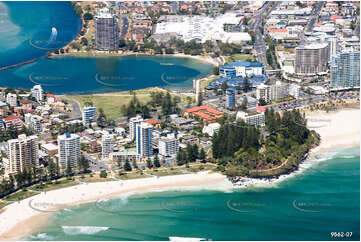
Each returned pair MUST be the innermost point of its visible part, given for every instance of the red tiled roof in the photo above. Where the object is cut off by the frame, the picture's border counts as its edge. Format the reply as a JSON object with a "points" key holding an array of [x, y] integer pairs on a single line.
{"points": [[152, 121], [204, 115], [261, 109], [335, 17], [274, 30], [204, 108], [11, 118]]}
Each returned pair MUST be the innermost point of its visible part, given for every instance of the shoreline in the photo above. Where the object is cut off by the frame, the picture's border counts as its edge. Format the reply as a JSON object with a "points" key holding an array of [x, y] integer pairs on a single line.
{"points": [[334, 137], [205, 59], [337, 130], [11, 218]]}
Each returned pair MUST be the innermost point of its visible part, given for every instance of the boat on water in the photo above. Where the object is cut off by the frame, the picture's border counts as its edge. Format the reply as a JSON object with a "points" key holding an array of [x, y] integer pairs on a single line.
{"points": [[167, 64]]}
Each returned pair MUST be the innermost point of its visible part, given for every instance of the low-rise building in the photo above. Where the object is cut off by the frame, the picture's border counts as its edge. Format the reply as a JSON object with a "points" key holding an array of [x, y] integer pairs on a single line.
{"points": [[255, 118], [211, 129], [13, 121], [123, 155], [168, 146], [204, 113], [50, 149], [12, 99]]}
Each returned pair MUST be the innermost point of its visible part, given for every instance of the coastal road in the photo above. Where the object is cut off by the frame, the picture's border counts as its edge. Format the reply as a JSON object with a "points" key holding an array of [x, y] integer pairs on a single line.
{"points": [[259, 44], [125, 26], [312, 21], [76, 114]]}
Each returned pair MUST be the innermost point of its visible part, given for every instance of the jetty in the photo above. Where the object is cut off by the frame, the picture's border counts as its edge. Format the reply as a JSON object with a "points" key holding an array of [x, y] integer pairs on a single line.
{"points": [[18, 64]]}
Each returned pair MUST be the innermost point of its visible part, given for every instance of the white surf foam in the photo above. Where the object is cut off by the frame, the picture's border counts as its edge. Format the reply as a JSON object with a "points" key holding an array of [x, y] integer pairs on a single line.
{"points": [[186, 239], [74, 230], [42, 236]]}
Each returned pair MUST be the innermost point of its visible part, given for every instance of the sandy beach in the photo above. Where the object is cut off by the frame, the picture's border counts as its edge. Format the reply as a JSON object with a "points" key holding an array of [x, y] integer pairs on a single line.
{"points": [[340, 129], [202, 58], [31, 213]]}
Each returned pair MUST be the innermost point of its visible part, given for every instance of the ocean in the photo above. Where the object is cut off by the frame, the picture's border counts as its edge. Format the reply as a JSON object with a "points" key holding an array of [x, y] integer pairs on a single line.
{"points": [[310, 205]]}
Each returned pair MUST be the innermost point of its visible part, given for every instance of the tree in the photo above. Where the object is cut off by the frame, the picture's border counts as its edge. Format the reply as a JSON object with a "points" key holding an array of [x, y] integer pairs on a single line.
{"points": [[149, 163], [189, 100], [244, 104], [103, 174], [87, 16], [261, 102], [192, 152], [202, 156], [51, 168], [127, 165], [84, 41], [246, 84], [156, 161], [68, 170], [216, 70], [102, 119], [78, 9], [83, 163], [200, 99]]}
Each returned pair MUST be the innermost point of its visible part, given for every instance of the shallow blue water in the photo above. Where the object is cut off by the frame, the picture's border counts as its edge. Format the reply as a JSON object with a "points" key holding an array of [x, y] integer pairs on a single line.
{"points": [[308, 206], [26, 29], [105, 74], [30, 29]]}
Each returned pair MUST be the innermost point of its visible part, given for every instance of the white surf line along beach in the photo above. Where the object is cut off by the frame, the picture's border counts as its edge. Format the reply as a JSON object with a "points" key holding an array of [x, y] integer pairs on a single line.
{"points": [[21, 218], [339, 129]]}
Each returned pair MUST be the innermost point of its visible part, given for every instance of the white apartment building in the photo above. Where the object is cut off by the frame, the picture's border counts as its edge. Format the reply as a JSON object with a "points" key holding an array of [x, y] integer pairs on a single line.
{"points": [[211, 129], [22, 154], [263, 92], [69, 150], [294, 90], [133, 124], [124, 155], [12, 100], [38, 93], [279, 91], [251, 118], [144, 139], [107, 145], [168, 146], [33, 122], [272, 92], [89, 115]]}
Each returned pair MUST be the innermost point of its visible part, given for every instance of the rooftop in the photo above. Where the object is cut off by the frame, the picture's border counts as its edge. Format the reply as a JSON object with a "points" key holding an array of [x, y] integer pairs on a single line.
{"points": [[204, 108]]}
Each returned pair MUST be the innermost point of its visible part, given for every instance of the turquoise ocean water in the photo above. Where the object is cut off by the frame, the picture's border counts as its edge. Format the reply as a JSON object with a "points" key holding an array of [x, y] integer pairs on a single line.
{"points": [[308, 206], [26, 29], [30, 29]]}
